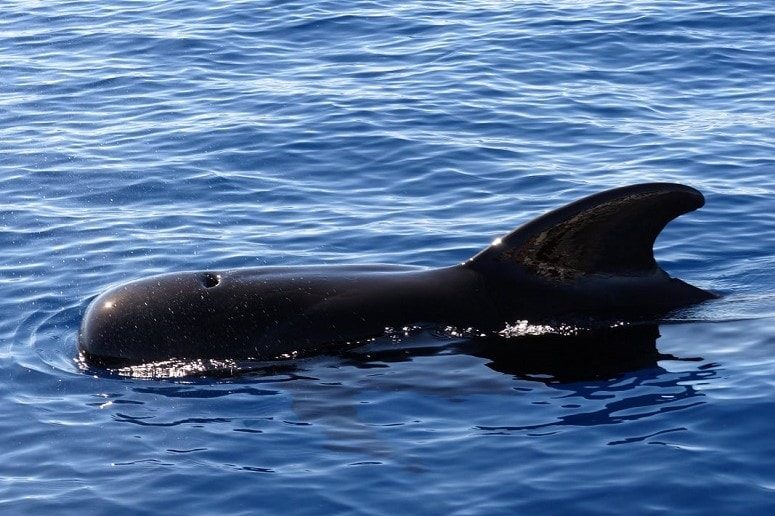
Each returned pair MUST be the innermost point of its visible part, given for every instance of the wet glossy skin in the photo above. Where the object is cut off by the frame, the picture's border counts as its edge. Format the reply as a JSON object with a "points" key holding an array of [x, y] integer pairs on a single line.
{"points": [[259, 313], [590, 258]]}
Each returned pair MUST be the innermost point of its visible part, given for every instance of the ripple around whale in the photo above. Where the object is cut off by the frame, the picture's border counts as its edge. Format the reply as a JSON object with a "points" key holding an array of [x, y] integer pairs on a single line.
{"points": [[141, 138]]}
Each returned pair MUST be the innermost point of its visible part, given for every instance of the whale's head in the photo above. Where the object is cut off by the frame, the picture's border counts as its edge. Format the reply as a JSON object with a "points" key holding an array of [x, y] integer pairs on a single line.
{"points": [[168, 316]]}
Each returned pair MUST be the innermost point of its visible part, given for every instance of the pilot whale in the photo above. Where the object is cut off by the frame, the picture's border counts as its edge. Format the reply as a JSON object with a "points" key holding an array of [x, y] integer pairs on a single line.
{"points": [[591, 258]]}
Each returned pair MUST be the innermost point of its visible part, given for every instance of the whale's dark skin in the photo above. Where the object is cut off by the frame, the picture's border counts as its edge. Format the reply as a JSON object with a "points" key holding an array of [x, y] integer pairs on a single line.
{"points": [[591, 258]]}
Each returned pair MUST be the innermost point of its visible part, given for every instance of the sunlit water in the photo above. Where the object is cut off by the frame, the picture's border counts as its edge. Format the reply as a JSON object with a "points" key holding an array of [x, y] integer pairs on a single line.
{"points": [[148, 137]]}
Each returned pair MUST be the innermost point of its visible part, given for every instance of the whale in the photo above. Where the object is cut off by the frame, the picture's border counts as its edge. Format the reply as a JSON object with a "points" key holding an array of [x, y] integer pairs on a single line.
{"points": [[590, 259]]}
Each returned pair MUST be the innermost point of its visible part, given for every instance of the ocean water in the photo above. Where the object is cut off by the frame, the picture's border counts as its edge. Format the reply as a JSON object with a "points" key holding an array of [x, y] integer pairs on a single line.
{"points": [[142, 137]]}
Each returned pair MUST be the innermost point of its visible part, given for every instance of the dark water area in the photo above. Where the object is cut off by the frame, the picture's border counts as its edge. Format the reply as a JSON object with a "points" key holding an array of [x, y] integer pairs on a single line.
{"points": [[141, 137]]}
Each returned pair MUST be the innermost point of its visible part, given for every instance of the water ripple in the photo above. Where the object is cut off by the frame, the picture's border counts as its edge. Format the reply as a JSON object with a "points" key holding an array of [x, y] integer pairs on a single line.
{"points": [[142, 137]]}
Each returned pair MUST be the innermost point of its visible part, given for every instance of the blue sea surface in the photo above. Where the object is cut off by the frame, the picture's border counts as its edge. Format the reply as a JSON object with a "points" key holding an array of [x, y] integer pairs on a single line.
{"points": [[141, 137]]}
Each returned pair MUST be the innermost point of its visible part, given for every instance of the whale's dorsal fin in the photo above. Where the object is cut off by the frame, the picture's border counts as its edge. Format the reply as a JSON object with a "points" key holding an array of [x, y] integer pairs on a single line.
{"points": [[610, 233]]}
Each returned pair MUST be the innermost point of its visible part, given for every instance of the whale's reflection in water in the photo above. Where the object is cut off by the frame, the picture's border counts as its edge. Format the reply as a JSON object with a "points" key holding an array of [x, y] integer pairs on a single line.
{"points": [[600, 354], [546, 383], [551, 358], [596, 377]]}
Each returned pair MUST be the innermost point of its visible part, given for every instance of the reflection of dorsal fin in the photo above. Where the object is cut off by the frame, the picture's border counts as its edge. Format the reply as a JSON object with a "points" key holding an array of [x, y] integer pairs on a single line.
{"points": [[610, 233]]}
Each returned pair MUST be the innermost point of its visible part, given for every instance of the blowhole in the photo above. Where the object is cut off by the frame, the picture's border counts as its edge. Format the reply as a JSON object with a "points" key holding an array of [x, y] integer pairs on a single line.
{"points": [[210, 279]]}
